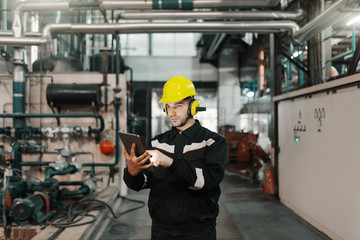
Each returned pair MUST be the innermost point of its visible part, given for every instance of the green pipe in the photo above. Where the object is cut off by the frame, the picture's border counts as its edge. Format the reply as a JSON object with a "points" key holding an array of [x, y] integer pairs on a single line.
{"points": [[353, 39], [71, 183], [51, 171], [18, 98], [173, 4], [84, 190], [6, 131], [59, 115]]}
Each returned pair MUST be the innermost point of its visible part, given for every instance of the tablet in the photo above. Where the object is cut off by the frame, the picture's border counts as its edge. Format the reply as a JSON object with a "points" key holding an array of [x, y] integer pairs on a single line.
{"points": [[128, 139]]}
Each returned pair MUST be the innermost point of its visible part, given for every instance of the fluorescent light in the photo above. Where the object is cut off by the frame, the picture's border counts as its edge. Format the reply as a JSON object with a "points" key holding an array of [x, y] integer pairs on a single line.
{"points": [[354, 20]]}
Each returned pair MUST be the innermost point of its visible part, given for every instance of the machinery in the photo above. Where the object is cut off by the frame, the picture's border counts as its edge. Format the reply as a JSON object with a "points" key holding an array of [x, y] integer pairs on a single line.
{"points": [[244, 153], [53, 153]]}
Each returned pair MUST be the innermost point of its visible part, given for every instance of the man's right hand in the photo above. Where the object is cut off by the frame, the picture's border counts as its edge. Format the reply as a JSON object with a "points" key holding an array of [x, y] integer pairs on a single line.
{"points": [[137, 164]]}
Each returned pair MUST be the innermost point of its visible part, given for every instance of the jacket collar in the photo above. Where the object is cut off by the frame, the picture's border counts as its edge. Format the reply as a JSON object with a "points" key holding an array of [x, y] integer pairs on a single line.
{"points": [[189, 132]]}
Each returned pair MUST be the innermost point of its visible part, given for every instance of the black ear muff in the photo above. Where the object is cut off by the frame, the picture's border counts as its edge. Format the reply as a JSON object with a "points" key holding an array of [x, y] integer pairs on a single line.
{"points": [[193, 107], [165, 110]]}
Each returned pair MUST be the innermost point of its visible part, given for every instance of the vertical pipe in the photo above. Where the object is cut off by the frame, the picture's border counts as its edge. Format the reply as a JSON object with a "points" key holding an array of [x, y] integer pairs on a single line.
{"points": [[288, 67], [18, 97], [105, 78], [261, 72], [4, 8], [353, 41], [117, 105], [301, 73], [18, 103]]}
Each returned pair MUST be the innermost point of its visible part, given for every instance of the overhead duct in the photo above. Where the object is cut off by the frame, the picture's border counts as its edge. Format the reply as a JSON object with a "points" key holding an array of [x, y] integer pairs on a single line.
{"points": [[327, 18], [213, 15]]}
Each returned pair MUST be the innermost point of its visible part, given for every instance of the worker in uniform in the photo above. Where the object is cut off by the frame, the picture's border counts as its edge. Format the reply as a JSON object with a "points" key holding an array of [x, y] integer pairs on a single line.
{"points": [[187, 165]]}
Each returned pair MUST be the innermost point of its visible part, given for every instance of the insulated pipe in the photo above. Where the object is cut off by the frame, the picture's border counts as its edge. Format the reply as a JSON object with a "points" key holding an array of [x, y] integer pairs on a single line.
{"points": [[186, 4], [240, 15], [211, 27], [325, 19], [37, 6], [21, 41], [4, 16]]}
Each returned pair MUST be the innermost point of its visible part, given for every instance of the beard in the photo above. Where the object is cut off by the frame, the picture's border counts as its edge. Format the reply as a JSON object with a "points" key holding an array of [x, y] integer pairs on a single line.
{"points": [[181, 122]]}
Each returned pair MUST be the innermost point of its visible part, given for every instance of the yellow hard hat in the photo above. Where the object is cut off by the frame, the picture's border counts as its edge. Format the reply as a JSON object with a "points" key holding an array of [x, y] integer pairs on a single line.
{"points": [[177, 88]]}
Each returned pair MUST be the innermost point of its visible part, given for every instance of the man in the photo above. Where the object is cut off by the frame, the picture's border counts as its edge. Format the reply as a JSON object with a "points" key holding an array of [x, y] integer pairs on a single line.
{"points": [[188, 164]]}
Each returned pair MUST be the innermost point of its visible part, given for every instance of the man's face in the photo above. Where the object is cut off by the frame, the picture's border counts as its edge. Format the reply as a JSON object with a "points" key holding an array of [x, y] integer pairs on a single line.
{"points": [[178, 113]]}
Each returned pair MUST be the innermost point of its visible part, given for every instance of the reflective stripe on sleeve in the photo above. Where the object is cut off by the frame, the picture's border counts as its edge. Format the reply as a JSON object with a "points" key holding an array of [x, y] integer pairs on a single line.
{"points": [[200, 181], [145, 181]]}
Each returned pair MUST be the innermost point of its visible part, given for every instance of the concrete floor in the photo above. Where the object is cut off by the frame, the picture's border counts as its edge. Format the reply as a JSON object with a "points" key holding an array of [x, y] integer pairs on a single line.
{"points": [[245, 214]]}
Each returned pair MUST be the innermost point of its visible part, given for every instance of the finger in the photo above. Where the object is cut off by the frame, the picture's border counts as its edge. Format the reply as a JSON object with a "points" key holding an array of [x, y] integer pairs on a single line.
{"points": [[132, 151], [126, 153], [144, 154], [148, 156], [149, 165]]}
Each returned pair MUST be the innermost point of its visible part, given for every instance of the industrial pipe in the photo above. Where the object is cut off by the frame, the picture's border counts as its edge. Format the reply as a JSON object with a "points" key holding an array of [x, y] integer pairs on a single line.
{"points": [[59, 115], [156, 4], [21, 41], [27, 34], [214, 15], [51, 171], [83, 190], [211, 27], [325, 19], [37, 6]]}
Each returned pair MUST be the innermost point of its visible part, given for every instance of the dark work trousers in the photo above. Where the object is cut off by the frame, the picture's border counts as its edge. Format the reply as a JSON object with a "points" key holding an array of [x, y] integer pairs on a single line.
{"points": [[209, 234]]}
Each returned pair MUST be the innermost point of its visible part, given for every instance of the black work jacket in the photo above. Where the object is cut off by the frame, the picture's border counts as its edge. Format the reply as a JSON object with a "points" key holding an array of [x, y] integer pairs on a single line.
{"points": [[184, 197]]}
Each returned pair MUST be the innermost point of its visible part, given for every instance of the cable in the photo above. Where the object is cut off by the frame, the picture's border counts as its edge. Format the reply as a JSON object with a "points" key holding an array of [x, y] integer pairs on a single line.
{"points": [[67, 220], [111, 210]]}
